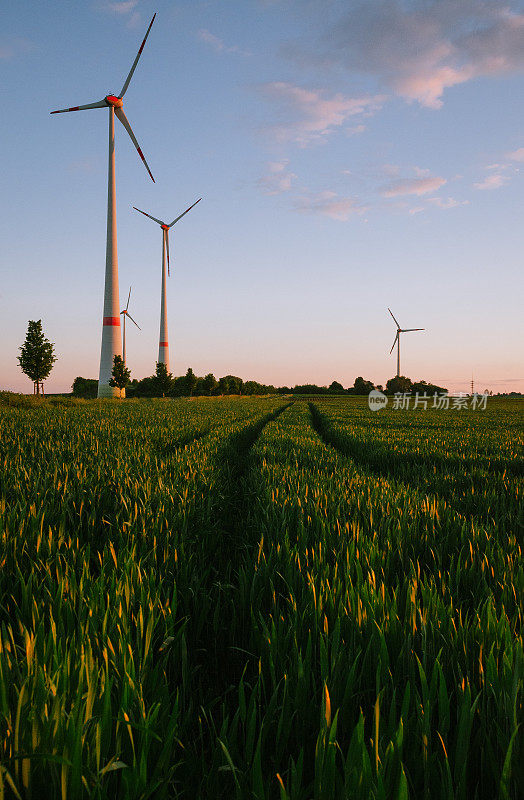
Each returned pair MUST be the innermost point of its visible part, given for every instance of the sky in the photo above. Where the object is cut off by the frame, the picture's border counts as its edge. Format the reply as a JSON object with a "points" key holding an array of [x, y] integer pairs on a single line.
{"points": [[351, 156]]}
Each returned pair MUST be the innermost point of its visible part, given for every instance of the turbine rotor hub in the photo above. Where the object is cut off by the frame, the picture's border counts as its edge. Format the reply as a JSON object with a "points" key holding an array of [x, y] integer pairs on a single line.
{"points": [[165, 227], [111, 100]]}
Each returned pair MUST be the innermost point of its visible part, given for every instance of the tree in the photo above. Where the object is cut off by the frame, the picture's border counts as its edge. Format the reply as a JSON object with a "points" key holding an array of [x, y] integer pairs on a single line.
{"points": [[235, 384], [361, 386], [36, 357], [163, 379], [223, 385], [336, 388], [191, 381], [209, 383], [399, 384], [120, 375], [85, 387]]}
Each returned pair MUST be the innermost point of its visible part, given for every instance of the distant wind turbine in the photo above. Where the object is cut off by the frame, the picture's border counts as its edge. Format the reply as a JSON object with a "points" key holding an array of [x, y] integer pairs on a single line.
{"points": [[163, 344], [111, 343], [125, 313], [397, 339]]}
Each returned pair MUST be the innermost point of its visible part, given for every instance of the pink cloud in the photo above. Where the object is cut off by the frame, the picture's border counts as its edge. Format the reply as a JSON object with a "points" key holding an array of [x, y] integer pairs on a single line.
{"points": [[308, 115], [218, 44], [329, 204], [517, 155], [492, 182], [278, 178], [415, 186], [421, 49]]}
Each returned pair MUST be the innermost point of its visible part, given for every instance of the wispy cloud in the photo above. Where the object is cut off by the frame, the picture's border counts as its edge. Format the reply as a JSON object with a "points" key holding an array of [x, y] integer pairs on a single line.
{"points": [[218, 44], [494, 181], [278, 178], [421, 49], [17, 46], [446, 202], [517, 155], [329, 204], [412, 186], [123, 7], [307, 115]]}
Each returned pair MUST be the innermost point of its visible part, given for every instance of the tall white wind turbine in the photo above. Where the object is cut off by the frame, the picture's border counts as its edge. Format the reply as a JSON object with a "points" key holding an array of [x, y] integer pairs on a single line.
{"points": [[163, 343], [396, 341], [111, 341], [125, 313]]}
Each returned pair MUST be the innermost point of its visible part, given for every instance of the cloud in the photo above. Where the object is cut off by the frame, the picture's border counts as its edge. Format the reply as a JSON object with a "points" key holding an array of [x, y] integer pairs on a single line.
{"points": [[329, 204], [494, 181], [421, 49], [416, 186], [278, 178], [517, 155], [217, 44], [15, 47], [122, 7], [307, 115], [445, 203]]}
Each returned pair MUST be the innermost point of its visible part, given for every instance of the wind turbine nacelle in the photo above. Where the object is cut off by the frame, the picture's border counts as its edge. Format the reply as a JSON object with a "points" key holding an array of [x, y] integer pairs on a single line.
{"points": [[111, 100]]}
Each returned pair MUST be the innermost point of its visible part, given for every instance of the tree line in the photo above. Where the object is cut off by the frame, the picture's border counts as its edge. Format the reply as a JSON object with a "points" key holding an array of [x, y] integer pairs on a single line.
{"points": [[37, 358], [164, 384]]}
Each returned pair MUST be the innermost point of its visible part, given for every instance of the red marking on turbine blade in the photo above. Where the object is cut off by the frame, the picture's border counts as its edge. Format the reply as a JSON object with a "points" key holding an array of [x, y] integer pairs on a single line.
{"points": [[163, 344], [111, 321]]}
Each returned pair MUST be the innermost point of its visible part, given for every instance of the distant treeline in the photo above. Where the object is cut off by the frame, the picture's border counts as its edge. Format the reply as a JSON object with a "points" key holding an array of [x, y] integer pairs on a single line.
{"points": [[163, 384]]}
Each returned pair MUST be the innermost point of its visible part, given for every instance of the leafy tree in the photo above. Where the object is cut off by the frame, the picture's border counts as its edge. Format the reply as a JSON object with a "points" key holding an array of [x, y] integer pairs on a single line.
{"points": [[163, 380], [361, 386], [223, 385], [235, 384], [36, 357], [429, 388], [336, 388], [209, 383], [191, 381], [85, 387], [400, 384], [120, 375]]}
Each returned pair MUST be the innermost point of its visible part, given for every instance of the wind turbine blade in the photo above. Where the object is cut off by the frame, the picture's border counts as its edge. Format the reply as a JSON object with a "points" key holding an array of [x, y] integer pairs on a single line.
{"points": [[123, 119], [135, 62], [185, 212], [133, 321], [100, 104], [394, 343], [407, 330], [149, 215], [128, 298], [396, 323], [166, 234]]}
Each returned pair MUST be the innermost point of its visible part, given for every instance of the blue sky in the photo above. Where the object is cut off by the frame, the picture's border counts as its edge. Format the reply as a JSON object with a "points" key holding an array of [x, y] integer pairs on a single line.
{"points": [[350, 157]]}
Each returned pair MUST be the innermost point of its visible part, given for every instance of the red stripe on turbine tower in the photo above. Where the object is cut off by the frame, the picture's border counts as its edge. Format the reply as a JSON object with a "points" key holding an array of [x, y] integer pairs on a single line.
{"points": [[111, 321], [163, 344]]}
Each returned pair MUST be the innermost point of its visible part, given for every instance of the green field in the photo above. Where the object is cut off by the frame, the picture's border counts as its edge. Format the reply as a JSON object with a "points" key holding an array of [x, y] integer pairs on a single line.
{"points": [[261, 598]]}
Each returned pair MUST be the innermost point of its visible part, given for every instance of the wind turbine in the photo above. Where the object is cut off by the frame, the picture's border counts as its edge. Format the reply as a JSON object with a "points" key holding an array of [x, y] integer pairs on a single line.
{"points": [[397, 340], [111, 342], [163, 344], [125, 313]]}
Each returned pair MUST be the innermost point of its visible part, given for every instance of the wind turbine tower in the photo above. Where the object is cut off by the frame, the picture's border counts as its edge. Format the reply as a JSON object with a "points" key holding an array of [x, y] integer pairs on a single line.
{"points": [[111, 341], [397, 340], [163, 342], [125, 313]]}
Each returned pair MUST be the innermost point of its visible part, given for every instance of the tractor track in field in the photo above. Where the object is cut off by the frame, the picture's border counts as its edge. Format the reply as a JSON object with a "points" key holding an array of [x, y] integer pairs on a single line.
{"points": [[230, 539], [388, 464]]}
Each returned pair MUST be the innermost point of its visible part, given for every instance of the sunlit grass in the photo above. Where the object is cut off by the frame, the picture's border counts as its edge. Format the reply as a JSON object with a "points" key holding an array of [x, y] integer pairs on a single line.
{"points": [[239, 598]]}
